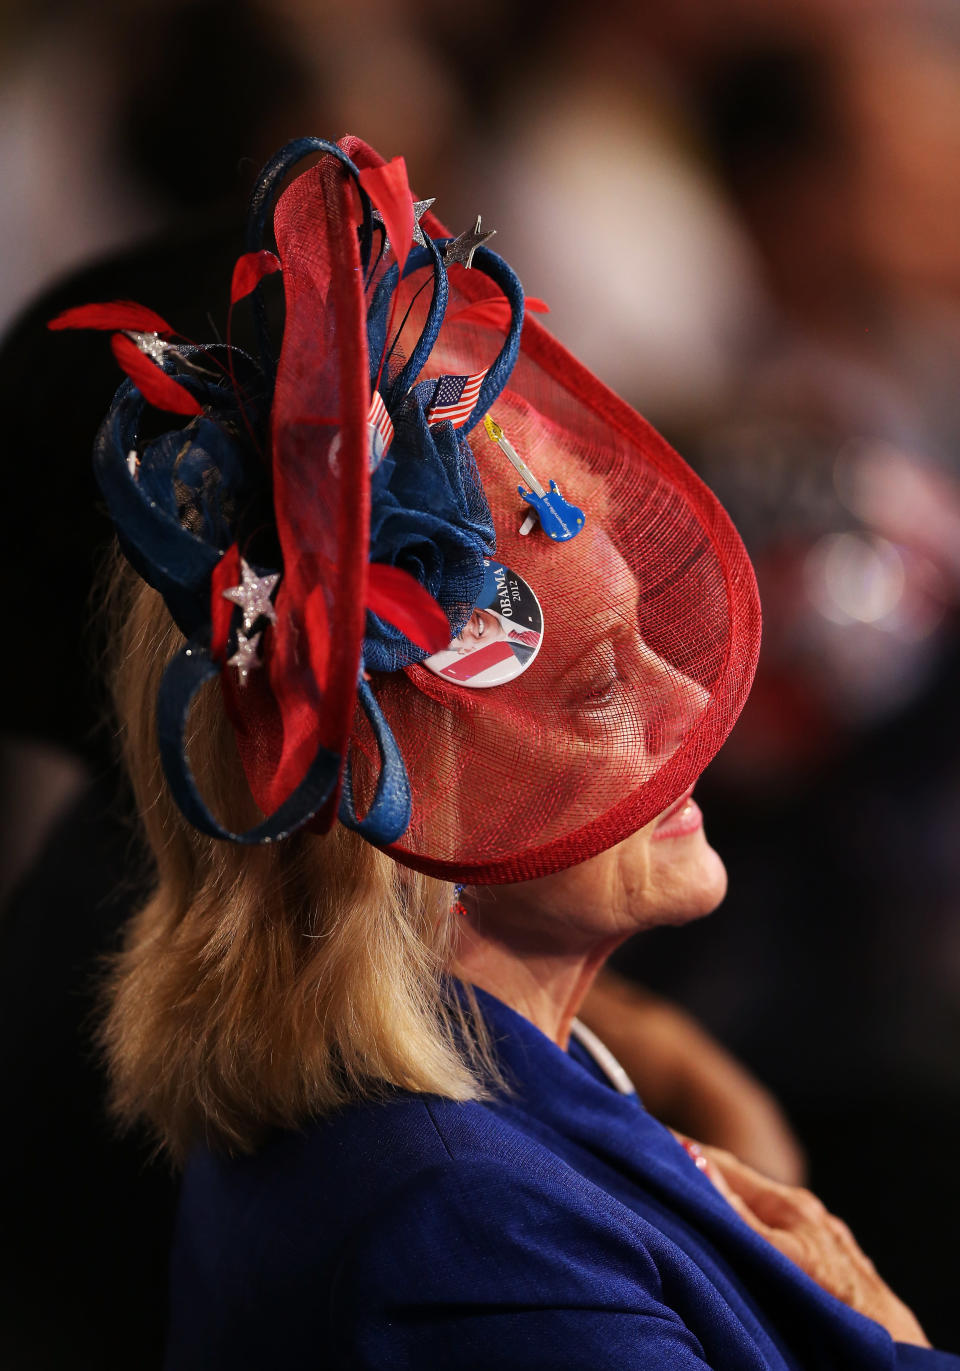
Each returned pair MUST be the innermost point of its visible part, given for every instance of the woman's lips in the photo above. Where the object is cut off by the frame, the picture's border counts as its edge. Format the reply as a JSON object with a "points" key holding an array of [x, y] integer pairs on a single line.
{"points": [[684, 817]]}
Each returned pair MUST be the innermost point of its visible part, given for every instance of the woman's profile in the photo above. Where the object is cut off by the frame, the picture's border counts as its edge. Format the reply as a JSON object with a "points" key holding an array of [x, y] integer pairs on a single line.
{"points": [[349, 1009]]}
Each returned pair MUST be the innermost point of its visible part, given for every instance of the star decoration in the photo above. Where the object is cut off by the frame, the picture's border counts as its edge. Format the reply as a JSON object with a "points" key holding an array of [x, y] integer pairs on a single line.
{"points": [[462, 249], [420, 208], [253, 596], [150, 344], [246, 656]]}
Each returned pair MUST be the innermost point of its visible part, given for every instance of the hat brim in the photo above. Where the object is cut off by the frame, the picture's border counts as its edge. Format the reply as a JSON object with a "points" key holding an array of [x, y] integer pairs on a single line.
{"points": [[655, 601]]}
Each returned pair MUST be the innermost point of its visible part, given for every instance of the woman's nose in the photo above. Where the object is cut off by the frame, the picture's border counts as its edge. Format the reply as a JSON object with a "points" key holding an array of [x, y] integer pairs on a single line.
{"points": [[671, 703]]}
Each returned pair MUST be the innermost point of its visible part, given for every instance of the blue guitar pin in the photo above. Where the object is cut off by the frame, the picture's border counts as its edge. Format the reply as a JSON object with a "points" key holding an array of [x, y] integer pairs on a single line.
{"points": [[559, 519]]}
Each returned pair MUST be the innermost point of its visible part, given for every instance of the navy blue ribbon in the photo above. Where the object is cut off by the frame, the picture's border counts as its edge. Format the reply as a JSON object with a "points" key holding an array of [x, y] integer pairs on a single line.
{"points": [[167, 555], [259, 211], [388, 817], [421, 257], [498, 374], [181, 681]]}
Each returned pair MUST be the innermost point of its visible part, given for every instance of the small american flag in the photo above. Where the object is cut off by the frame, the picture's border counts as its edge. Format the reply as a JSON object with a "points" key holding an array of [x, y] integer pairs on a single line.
{"points": [[455, 398], [380, 419], [527, 636]]}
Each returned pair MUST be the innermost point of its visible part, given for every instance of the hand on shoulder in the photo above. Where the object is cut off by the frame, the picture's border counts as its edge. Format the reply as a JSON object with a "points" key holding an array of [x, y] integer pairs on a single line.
{"points": [[800, 1226]]}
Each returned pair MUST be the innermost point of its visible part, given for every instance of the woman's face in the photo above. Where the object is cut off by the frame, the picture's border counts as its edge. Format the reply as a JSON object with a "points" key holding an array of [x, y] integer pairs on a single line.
{"points": [[666, 873], [600, 714]]}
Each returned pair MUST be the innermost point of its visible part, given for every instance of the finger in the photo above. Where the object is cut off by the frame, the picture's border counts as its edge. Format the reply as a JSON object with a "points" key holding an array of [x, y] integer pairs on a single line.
{"points": [[849, 1244], [739, 1204], [768, 1207], [780, 1206], [792, 1244], [784, 1240], [711, 1160], [698, 1154], [703, 1159]]}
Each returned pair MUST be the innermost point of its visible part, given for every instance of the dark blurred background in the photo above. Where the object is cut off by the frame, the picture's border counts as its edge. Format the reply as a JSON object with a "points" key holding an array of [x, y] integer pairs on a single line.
{"points": [[744, 217]]}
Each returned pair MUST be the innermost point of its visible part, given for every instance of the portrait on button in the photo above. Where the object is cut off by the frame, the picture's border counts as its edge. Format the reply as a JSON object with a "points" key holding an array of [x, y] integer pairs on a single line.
{"points": [[500, 639]]}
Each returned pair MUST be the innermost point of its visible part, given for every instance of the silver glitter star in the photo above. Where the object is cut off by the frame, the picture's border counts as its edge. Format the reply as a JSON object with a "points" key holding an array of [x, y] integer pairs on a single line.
{"points": [[246, 656], [253, 596], [420, 208], [462, 249], [150, 344]]}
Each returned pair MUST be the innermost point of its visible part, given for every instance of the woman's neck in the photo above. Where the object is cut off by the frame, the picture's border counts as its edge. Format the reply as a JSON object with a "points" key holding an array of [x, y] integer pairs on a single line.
{"points": [[546, 984]]}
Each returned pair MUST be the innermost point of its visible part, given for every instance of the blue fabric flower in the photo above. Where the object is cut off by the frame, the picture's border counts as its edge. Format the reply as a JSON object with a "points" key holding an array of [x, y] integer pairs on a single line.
{"points": [[429, 516], [199, 476]]}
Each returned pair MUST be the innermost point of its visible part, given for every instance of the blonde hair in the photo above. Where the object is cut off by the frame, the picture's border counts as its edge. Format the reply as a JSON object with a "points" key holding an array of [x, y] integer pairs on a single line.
{"points": [[261, 986]]}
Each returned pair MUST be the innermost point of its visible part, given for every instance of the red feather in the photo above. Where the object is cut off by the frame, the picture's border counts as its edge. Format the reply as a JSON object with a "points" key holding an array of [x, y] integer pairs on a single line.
{"points": [[394, 595], [389, 190], [250, 270], [114, 314], [494, 310], [226, 575], [153, 383], [318, 635]]}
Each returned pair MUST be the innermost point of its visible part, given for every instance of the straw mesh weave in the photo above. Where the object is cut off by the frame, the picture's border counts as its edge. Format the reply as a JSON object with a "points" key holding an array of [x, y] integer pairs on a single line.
{"points": [[321, 494], [651, 618], [651, 633]]}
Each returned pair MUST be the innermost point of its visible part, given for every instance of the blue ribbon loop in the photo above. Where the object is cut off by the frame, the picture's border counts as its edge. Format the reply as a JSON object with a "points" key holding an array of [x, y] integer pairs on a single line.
{"points": [[389, 815], [499, 373], [258, 213], [420, 257], [497, 270], [181, 681], [165, 554]]}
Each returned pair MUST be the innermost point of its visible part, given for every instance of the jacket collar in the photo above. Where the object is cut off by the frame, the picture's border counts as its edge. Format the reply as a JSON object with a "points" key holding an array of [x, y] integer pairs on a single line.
{"points": [[611, 1139]]}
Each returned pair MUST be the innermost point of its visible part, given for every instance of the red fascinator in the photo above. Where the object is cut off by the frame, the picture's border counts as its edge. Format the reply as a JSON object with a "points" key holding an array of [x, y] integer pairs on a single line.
{"points": [[458, 594]]}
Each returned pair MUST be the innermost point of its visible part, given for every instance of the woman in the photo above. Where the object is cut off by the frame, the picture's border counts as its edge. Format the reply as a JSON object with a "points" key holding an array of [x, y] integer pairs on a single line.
{"points": [[401, 1148]]}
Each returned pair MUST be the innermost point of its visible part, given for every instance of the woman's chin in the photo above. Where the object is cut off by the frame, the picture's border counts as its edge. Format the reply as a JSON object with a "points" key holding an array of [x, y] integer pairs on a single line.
{"points": [[693, 881]]}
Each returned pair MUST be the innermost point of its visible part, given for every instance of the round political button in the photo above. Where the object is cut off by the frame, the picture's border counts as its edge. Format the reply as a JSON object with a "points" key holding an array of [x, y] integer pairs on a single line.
{"points": [[501, 637]]}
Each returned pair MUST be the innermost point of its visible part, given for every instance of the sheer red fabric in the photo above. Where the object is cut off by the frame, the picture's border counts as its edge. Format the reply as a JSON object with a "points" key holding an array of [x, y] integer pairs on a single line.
{"points": [[651, 627], [307, 696], [651, 616]]}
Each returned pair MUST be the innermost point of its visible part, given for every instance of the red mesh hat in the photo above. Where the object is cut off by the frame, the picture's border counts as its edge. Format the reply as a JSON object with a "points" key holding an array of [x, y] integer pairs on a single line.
{"points": [[342, 536], [651, 625]]}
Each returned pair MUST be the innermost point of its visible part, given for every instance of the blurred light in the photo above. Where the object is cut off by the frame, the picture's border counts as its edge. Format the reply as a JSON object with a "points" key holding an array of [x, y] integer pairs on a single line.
{"points": [[906, 497], [855, 578]]}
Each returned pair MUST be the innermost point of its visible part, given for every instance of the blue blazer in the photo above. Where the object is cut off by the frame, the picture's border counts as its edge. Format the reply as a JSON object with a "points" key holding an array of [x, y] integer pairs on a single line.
{"points": [[560, 1227]]}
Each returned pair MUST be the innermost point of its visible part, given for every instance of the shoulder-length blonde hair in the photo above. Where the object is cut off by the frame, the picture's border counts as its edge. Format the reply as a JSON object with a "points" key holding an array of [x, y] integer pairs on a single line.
{"points": [[260, 986]]}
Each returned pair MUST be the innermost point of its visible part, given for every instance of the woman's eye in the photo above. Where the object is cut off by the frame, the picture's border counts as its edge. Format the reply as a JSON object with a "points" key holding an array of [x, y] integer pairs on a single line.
{"points": [[596, 681], [602, 693], [602, 687]]}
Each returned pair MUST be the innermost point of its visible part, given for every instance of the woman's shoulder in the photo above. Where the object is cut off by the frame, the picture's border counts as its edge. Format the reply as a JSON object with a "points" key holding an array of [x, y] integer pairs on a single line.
{"points": [[387, 1223], [404, 1176], [373, 1148], [484, 1183]]}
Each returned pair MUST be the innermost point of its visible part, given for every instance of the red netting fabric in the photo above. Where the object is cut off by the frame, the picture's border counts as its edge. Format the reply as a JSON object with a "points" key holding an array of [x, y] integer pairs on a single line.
{"points": [[321, 494], [651, 630]]}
